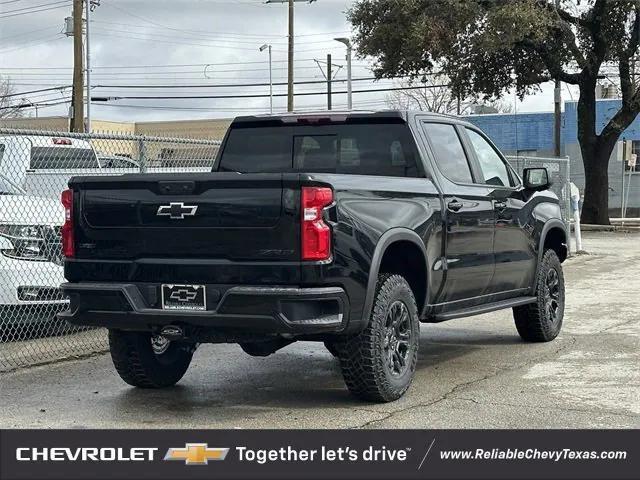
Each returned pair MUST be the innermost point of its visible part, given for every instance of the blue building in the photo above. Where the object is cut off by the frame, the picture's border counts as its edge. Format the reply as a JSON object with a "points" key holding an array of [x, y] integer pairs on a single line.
{"points": [[531, 134]]}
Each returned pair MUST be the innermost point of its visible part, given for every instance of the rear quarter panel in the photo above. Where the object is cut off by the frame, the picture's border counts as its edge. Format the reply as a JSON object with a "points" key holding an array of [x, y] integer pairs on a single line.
{"points": [[365, 208]]}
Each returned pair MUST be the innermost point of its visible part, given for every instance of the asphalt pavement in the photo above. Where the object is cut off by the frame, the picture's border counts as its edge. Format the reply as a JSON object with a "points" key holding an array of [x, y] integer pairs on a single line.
{"points": [[471, 373]]}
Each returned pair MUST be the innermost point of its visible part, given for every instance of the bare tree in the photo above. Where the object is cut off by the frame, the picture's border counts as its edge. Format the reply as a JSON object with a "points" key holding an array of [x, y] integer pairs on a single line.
{"points": [[495, 105], [433, 94], [10, 106]]}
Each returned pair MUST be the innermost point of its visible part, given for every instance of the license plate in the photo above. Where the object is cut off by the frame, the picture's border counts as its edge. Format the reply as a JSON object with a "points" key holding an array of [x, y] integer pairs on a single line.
{"points": [[184, 297]]}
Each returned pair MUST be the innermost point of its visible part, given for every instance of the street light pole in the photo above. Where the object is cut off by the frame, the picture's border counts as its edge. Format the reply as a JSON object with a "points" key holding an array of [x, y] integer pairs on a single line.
{"points": [[347, 43], [262, 48], [88, 65]]}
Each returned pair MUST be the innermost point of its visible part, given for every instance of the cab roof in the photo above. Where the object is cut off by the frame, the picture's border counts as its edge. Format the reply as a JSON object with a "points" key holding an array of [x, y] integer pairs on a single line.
{"points": [[340, 116]]}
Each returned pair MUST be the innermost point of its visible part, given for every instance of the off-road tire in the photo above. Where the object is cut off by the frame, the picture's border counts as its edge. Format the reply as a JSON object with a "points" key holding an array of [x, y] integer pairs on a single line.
{"points": [[363, 358], [541, 321], [333, 349], [138, 365]]}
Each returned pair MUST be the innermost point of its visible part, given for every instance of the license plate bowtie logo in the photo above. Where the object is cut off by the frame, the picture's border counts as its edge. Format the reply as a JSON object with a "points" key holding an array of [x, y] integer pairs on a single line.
{"points": [[183, 294], [177, 210], [196, 454]]}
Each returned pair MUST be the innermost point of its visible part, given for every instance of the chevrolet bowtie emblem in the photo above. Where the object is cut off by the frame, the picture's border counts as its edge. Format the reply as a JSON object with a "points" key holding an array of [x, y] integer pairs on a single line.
{"points": [[176, 210], [196, 454]]}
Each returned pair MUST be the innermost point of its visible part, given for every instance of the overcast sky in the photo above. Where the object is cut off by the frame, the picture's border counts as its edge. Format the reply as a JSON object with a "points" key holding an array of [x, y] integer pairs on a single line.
{"points": [[169, 43]]}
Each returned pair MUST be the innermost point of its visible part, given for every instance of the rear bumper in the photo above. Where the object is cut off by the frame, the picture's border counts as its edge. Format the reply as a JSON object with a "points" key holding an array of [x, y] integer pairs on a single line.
{"points": [[246, 309]]}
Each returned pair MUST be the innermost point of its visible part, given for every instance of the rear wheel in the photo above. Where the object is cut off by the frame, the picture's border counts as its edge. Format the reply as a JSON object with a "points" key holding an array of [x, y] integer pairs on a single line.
{"points": [[148, 361], [331, 346], [541, 321], [379, 363]]}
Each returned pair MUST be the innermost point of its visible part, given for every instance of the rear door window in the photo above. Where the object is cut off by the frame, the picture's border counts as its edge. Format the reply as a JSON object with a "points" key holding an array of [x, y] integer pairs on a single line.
{"points": [[447, 148], [359, 149], [56, 158]]}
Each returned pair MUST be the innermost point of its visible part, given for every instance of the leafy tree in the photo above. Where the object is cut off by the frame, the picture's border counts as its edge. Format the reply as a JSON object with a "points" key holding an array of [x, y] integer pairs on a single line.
{"points": [[486, 47]]}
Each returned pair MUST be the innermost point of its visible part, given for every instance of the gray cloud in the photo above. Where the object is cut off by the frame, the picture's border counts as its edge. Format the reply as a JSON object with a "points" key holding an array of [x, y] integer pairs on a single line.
{"points": [[142, 33]]}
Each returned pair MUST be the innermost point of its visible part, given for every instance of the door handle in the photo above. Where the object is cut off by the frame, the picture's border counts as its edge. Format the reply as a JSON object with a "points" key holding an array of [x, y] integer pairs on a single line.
{"points": [[454, 205], [500, 205]]}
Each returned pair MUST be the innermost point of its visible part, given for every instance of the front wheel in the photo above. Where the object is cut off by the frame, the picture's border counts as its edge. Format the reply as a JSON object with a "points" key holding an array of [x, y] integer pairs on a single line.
{"points": [[379, 363], [148, 361], [541, 321]]}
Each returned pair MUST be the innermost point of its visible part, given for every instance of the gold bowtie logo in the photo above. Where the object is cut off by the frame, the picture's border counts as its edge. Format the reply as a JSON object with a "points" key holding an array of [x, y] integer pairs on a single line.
{"points": [[196, 454]]}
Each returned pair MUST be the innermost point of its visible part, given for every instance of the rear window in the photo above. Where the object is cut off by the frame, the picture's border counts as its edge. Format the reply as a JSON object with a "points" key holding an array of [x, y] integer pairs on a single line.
{"points": [[56, 158], [364, 149]]}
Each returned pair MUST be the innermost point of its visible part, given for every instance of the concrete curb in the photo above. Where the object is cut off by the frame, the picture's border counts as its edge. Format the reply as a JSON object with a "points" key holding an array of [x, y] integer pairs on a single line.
{"points": [[610, 228]]}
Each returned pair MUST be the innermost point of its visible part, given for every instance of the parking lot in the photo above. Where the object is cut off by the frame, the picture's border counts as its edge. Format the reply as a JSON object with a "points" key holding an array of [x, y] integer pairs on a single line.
{"points": [[472, 373]]}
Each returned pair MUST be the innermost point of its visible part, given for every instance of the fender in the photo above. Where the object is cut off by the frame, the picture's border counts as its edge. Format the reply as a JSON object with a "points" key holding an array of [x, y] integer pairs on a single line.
{"points": [[548, 225], [387, 238]]}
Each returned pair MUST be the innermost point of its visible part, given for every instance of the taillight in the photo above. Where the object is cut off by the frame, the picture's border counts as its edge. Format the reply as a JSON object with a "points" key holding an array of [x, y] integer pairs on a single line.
{"points": [[68, 245], [316, 235]]}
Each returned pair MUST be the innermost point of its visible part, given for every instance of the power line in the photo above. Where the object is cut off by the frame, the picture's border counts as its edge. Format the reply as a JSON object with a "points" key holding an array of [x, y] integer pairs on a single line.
{"points": [[35, 104], [38, 41], [61, 87], [203, 32], [238, 109], [35, 11], [209, 45], [36, 6], [237, 85], [30, 32], [202, 97], [175, 65]]}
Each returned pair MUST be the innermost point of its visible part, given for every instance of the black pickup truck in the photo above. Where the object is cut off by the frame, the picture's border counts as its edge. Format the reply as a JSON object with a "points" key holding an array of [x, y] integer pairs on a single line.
{"points": [[344, 228]]}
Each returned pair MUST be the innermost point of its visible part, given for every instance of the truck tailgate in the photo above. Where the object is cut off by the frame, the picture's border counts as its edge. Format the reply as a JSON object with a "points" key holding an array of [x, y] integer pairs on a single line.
{"points": [[204, 216]]}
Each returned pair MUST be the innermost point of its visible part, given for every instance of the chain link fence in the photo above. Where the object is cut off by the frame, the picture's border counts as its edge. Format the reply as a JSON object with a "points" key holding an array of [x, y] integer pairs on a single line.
{"points": [[35, 167], [559, 174]]}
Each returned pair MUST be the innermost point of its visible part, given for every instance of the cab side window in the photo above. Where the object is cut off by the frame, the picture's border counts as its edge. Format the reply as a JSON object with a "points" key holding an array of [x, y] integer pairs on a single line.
{"points": [[493, 168], [447, 148]]}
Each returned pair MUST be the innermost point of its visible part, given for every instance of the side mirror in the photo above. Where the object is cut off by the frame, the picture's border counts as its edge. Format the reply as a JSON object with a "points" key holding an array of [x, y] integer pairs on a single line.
{"points": [[536, 179]]}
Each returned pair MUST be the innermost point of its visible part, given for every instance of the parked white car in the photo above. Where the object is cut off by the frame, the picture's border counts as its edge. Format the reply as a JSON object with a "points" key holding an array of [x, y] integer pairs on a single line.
{"points": [[42, 166], [30, 257], [33, 172]]}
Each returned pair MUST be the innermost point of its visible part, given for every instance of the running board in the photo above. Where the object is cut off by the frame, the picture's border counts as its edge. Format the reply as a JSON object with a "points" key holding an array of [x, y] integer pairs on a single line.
{"points": [[480, 309]]}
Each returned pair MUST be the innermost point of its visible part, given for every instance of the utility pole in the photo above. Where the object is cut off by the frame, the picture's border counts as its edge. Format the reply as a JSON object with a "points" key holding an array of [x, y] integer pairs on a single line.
{"points": [[88, 69], [328, 81], [77, 121], [557, 124], [290, 50], [328, 76], [290, 60], [557, 114]]}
